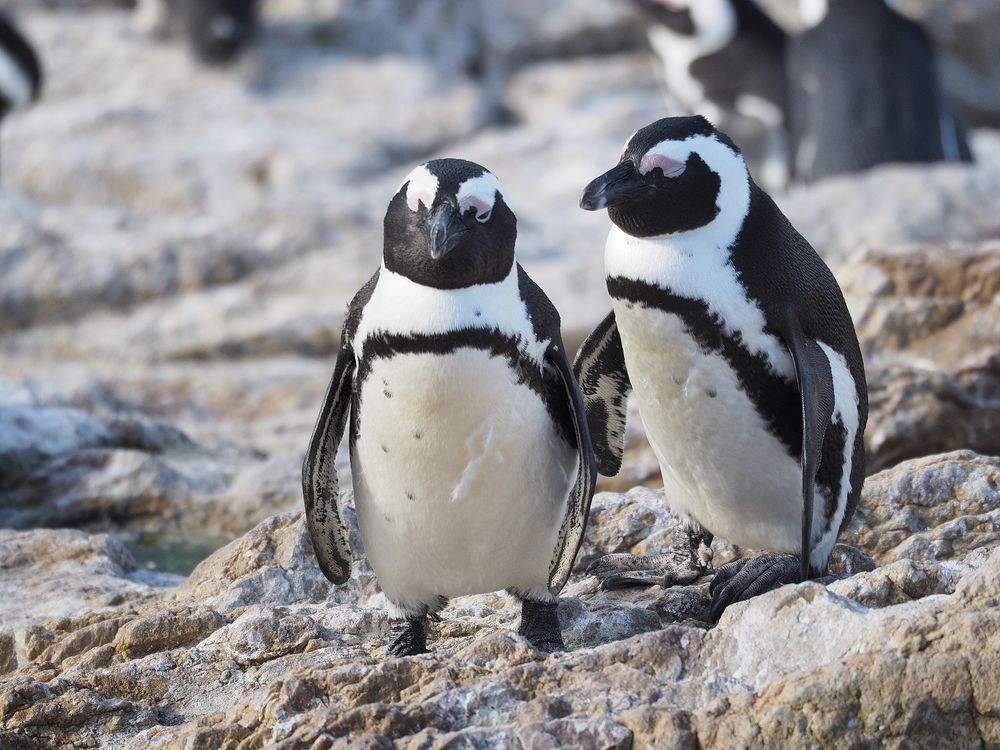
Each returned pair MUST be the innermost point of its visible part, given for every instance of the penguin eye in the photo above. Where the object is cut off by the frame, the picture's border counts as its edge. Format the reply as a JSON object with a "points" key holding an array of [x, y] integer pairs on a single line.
{"points": [[483, 209], [669, 167]]}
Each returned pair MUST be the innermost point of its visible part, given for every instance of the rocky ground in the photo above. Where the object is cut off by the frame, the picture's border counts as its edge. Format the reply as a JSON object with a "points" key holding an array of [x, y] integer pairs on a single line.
{"points": [[176, 249]]}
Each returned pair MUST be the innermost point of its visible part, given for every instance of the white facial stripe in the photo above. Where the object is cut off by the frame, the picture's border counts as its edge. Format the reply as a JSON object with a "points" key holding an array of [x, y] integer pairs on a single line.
{"points": [[422, 187], [479, 193], [14, 83]]}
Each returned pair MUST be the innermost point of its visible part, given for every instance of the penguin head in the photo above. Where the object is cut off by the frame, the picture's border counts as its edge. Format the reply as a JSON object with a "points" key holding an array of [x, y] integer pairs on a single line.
{"points": [[449, 226], [20, 70], [219, 30], [676, 175]]}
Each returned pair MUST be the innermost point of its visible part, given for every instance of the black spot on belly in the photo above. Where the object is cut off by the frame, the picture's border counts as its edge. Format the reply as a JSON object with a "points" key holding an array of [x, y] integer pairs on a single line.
{"points": [[389, 520], [410, 496], [711, 392], [677, 379], [419, 434], [387, 394], [479, 313], [385, 448]]}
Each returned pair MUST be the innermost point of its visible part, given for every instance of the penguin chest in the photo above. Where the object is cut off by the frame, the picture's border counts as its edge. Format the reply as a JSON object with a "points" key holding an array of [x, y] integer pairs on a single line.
{"points": [[722, 466], [461, 478]]}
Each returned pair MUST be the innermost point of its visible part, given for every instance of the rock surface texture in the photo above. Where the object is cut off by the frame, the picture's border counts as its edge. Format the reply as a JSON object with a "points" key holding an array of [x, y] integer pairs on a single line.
{"points": [[256, 649], [177, 246]]}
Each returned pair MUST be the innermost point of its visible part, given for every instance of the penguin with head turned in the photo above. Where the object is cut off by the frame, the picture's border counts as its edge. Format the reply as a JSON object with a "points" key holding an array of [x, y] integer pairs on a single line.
{"points": [[863, 90], [20, 70], [735, 340], [725, 59], [470, 454]]}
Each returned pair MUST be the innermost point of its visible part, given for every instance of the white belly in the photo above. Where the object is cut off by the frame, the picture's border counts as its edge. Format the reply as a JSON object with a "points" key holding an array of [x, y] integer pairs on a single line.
{"points": [[460, 479], [721, 466]]}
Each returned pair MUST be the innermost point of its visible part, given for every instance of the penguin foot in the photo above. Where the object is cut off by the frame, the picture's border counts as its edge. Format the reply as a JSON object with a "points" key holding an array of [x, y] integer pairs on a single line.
{"points": [[540, 625], [744, 579], [411, 637], [689, 558]]}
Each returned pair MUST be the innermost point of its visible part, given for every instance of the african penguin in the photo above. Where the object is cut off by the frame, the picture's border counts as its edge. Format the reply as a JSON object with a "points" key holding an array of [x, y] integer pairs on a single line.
{"points": [[20, 70], [734, 338], [472, 464], [863, 90], [725, 59], [217, 31]]}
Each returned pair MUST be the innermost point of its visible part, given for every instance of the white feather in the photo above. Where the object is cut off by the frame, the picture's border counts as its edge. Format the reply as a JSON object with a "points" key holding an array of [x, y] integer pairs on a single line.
{"points": [[421, 187], [401, 306]]}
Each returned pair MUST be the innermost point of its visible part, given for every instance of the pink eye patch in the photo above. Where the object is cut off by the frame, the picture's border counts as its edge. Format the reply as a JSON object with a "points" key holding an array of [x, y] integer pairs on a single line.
{"points": [[670, 167], [481, 207]]}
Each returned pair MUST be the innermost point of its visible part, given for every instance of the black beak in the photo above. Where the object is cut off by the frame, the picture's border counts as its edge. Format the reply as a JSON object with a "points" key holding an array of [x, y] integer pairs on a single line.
{"points": [[446, 231], [613, 188]]}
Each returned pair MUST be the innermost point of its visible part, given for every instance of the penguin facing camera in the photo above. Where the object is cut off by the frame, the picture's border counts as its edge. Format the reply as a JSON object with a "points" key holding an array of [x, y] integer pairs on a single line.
{"points": [[217, 31], [863, 90], [471, 458], [735, 340], [725, 59], [21, 74]]}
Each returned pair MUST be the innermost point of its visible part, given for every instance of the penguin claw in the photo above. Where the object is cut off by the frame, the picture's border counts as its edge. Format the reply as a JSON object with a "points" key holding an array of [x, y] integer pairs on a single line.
{"points": [[744, 579], [411, 638]]}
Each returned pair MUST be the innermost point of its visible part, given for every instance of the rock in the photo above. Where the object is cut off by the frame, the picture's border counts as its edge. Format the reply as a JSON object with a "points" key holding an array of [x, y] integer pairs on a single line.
{"points": [[62, 466], [256, 647], [53, 574], [928, 318], [930, 509]]}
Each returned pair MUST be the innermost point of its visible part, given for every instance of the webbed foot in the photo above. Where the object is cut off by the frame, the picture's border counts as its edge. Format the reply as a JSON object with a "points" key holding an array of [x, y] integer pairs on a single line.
{"points": [[410, 637], [744, 579], [540, 625]]}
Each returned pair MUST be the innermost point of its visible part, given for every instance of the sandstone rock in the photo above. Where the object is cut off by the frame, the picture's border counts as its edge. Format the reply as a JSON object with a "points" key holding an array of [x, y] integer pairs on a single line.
{"points": [[930, 509], [928, 318], [257, 648], [51, 574]]}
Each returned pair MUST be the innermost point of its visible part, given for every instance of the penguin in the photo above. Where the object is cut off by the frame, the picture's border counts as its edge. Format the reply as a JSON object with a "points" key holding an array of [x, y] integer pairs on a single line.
{"points": [[217, 31], [725, 59], [863, 90], [734, 338], [470, 452], [21, 74]]}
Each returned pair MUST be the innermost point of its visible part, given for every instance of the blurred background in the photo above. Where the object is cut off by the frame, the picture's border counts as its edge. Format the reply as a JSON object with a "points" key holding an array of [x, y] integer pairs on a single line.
{"points": [[198, 190]]}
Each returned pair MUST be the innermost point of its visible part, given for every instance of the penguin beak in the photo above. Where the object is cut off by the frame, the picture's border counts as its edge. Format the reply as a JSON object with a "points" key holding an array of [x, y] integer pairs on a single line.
{"points": [[447, 230], [615, 187]]}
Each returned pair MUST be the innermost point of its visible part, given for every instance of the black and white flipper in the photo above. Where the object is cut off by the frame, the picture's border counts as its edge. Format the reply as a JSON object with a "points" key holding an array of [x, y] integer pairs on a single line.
{"points": [[20, 70], [600, 369]]}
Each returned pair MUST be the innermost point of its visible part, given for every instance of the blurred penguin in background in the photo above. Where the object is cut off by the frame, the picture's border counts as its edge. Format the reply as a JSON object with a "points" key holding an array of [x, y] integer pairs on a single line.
{"points": [[217, 31], [20, 70], [863, 89], [724, 59]]}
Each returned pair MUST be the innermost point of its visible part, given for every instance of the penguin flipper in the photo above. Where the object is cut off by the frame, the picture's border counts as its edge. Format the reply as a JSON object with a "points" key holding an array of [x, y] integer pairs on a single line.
{"points": [[604, 382], [815, 382], [578, 502], [320, 486]]}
